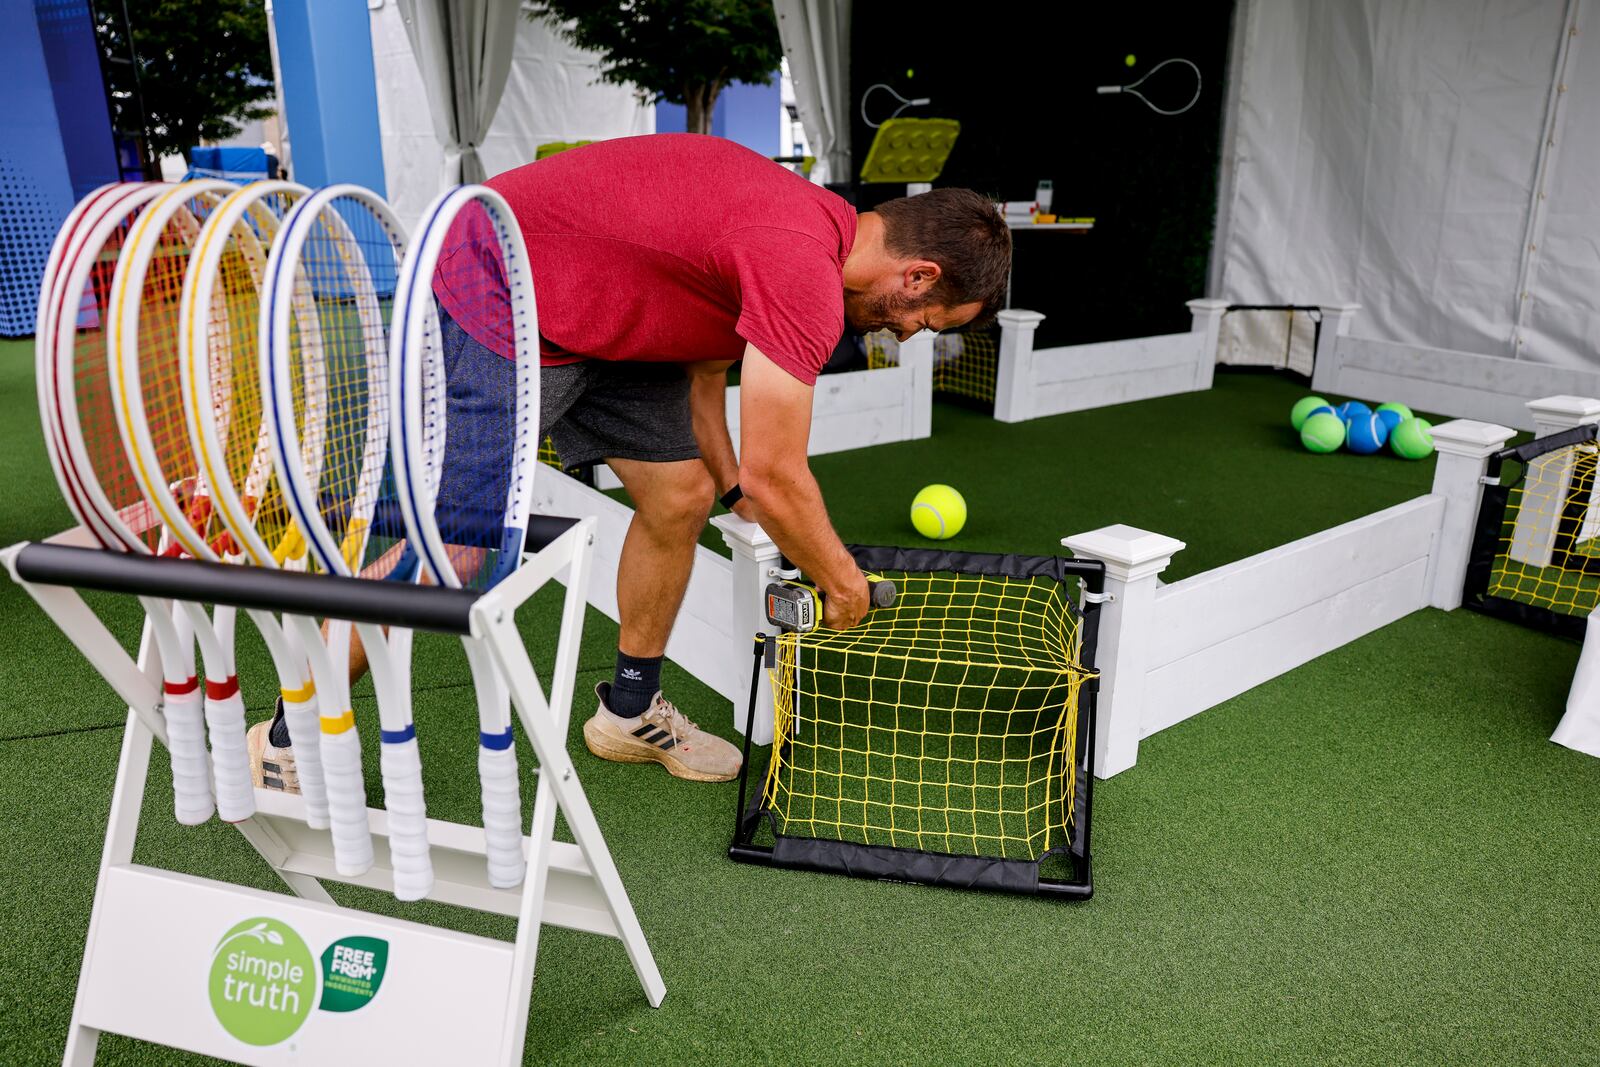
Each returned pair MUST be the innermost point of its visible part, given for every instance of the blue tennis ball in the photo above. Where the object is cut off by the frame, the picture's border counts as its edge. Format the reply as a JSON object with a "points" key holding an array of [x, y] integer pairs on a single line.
{"points": [[1351, 409], [1391, 417], [1365, 434]]}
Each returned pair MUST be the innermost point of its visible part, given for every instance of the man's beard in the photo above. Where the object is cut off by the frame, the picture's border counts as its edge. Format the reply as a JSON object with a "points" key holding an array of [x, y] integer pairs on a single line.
{"points": [[882, 311]]}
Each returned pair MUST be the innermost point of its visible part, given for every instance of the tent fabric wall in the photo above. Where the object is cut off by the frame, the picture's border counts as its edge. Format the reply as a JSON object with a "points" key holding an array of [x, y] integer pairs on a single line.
{"points": [[463, 52], [816, 41], [1421, 158], [550, 95]]}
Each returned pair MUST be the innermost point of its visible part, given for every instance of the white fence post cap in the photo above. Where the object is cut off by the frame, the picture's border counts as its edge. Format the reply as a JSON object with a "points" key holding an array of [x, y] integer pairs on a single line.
{"points": [[742, 533], [1464, 437], [1019, 317], [1207, 304], [1571, 410], [1128, 552]]}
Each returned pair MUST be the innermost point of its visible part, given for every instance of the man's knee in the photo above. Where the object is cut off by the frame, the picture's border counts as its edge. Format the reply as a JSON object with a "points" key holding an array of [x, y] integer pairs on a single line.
{"points": [[681, 504]]}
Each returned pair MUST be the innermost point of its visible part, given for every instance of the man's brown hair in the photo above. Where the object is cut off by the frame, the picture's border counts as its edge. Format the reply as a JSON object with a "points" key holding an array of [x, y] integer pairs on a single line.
{"points": [[963, 233]]}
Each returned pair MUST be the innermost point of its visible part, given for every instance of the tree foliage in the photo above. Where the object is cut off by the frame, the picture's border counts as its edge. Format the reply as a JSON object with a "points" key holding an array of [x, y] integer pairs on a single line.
{"points": [[196, 70], [673, 51]]}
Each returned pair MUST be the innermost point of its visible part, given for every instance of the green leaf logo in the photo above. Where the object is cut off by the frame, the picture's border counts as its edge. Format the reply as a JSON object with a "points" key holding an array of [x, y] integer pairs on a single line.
{"points": [[352, 971], [263, 981]]}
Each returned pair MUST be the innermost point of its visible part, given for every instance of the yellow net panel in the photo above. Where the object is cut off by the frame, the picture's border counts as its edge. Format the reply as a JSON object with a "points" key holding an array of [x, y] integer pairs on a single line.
{"points": [[964, 364], [948, 723], [1538, 551]]}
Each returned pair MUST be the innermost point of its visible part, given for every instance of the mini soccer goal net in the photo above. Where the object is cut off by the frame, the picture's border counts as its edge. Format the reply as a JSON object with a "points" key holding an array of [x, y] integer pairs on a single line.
{"points": [[1536, 552], [946, 739], [965, 364]]}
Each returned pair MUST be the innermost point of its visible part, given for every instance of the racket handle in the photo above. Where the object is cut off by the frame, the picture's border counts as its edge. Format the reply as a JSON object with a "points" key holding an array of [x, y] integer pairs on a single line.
{"points": [[230, 755], [191, 771], [502, 815], [882, 593], [347, 801], [408, 818], [306, 742]]}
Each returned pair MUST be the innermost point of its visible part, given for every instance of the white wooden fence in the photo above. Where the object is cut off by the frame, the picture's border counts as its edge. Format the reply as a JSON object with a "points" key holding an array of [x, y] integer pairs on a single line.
{"points": [[1460, 384], [1035, 382]]}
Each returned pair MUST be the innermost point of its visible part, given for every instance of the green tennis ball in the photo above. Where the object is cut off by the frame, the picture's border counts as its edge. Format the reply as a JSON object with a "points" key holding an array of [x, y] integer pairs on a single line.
{"points": [[1323, 433], [1128, 60], [910, 73], [938, 512], [1303, 408], [1404, 412], [1412, 439]]}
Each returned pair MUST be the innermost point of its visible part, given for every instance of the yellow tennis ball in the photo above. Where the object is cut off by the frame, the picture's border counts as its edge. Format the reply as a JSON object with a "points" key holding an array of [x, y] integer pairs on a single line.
{"points": [[938, 512]]}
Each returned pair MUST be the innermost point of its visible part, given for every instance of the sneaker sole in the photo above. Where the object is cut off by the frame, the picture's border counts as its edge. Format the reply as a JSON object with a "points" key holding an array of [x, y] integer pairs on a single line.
{"points": [[609, 749]]}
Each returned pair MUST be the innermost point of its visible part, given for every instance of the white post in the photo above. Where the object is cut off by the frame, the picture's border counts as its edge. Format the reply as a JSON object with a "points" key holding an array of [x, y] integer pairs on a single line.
{"points": [[1464, 449], [754, 555], [1336, 319], [1133, 558], [1013, 383], [916, 356], [1207, 323], [1552, 414]]}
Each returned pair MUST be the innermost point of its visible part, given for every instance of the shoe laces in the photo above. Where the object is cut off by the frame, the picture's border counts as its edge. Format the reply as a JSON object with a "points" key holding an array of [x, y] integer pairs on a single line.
{"points": [[674, 720]]}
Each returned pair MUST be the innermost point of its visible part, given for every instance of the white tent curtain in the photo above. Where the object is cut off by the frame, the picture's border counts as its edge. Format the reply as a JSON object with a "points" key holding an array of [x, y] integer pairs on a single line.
{"points": [[463, 49], [552, 94], [1430, 160], [816, 40]]}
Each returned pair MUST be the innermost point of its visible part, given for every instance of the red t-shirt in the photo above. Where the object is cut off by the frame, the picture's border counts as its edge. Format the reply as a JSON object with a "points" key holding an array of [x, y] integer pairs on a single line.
{"points": [[672, 247]]}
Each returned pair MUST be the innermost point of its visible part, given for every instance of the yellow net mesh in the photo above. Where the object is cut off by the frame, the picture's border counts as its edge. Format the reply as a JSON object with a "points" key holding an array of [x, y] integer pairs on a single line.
{"points": [[964, 364], [947, 723], [1548, 555]]}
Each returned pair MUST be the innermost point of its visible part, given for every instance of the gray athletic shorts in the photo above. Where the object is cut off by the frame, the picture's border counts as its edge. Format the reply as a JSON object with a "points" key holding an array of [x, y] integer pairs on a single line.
{"points": [[593, 410]]}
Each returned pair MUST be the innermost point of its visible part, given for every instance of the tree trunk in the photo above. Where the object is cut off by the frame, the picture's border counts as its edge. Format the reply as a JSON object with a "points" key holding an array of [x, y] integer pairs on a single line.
{"points": [[700, 103]]}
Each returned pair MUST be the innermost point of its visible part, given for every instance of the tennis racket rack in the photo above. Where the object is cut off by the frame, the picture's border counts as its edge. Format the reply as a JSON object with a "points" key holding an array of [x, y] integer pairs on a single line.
{"points": [[157, 938]]}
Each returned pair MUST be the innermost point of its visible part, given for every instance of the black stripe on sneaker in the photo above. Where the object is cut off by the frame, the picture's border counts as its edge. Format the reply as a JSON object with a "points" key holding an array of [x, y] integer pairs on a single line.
{"points": [[655, 738], [645, 729], [667, 744]]}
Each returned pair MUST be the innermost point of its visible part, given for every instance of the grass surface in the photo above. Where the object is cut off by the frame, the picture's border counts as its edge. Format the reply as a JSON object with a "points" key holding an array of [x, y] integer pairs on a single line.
{"points": [[1377, 858]]}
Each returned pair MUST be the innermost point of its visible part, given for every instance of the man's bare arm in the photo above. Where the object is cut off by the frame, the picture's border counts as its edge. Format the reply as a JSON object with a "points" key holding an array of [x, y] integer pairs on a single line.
{"points": [[708, 385], [774, 429]]}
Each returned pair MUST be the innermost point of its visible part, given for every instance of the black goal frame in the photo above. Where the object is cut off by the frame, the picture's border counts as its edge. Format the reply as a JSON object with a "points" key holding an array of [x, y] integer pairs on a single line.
{"points": [[1487, 537], [884, 862]]}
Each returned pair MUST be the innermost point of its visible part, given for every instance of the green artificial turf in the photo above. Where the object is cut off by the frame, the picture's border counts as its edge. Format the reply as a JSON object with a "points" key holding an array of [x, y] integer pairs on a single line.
{"points": [[1377, 858]]}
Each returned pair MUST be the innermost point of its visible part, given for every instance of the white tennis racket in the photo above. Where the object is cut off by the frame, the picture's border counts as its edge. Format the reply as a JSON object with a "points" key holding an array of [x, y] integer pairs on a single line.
{"points": [[91, 465], [147, 398], [243, 517], [327, 418], [466, 497]]}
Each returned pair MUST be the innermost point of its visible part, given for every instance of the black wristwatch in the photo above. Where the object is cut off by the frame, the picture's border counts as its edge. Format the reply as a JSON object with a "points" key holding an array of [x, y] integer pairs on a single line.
{"points": [[732, 497]]}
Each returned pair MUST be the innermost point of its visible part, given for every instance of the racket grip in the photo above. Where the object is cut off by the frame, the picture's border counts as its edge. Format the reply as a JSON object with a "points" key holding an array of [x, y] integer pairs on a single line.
{"points": [[347, 802], [230, 757], [306, 742], [502, 816], [408, 819], [191, 773]]}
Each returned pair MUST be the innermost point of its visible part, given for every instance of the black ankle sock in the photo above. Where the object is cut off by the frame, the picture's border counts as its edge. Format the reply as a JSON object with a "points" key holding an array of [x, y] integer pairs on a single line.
{"points": [[636, 681], [278, 732]]}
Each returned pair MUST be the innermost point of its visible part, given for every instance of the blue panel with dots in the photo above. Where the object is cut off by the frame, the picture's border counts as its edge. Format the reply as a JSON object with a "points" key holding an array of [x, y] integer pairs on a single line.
{"points": [[35, 190]]}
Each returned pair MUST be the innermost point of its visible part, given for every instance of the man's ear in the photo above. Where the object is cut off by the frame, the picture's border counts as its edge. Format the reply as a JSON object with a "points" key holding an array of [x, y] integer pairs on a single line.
{"points": [[921, 275]]}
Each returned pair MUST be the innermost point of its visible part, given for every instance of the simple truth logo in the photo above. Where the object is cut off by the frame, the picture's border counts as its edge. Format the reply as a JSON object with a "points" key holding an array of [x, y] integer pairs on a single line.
{"points": [[263, 981]]}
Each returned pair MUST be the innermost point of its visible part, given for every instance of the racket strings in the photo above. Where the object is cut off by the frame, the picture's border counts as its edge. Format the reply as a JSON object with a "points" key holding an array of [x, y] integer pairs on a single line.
{"points": [[470, 455], [348, 265], [233, 308], [160, 375], [92, 392]]}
